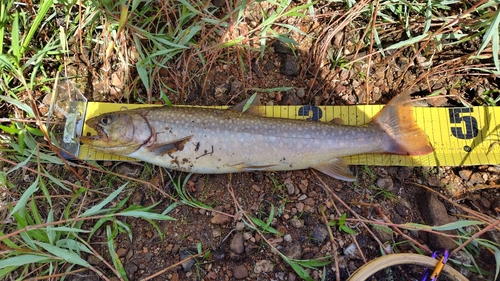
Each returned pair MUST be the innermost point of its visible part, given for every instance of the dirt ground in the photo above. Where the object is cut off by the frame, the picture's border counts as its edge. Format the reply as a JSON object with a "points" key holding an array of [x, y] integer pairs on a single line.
{"points": [[235, 250], [299, 200]]}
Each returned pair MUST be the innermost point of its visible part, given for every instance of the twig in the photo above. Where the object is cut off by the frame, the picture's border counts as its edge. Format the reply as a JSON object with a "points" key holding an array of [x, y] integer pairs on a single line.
{"points": [[334, 244]]}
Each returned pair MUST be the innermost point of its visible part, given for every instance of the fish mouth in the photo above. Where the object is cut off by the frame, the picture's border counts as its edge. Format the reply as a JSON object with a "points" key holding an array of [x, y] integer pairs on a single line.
{"points": [[101, 136]]}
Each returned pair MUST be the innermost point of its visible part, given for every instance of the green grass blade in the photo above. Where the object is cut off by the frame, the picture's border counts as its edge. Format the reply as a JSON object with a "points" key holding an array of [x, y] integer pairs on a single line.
{"points": [[24, 107], [64, 254], [22, 260], [21, 204], [56, 181], [187, 5], [51, 233], [73, 245], [497, 259], [300, 271], [496, 49], [456, 225], [144, 215], [97, 208], [44, 8], [407, 42], [16, 52], [6, 270], [111, 248], [66, 229], [428, 16], [491, 34], [21, 164], [143, 74]]}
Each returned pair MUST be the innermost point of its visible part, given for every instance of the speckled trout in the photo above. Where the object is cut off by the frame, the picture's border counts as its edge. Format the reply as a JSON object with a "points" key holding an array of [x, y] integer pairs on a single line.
{"points": [[212, 141]]}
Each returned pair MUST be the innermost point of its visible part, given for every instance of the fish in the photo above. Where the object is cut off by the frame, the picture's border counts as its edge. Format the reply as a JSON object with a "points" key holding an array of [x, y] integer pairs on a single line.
{"points": [[215, 141]]}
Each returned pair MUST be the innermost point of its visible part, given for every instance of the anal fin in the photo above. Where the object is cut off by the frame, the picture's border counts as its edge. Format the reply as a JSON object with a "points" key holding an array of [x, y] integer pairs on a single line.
{"points": [[248, 168], [337, 168]]}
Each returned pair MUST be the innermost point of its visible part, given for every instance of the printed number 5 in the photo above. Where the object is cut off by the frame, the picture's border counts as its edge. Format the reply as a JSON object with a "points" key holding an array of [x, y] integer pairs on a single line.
{"points": [[471, 130]]}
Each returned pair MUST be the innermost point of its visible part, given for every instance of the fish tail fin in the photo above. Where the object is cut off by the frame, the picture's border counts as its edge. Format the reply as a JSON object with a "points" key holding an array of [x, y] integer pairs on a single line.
{"points": [[398, 121]]}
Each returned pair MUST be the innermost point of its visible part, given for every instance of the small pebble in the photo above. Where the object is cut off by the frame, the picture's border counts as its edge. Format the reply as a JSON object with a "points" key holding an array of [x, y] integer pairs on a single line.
{"points": [[297, 223], [465, 174], [263, 266], [220, 219], [309, 202], [290, 66], [240, 225], [290, 187], [293, 250], [319, 233], [301, 92], [237, 243], [216, 233], [300, 207], [247, 235], [240, 272], [385, 183], [121, 252], [184, 254]]}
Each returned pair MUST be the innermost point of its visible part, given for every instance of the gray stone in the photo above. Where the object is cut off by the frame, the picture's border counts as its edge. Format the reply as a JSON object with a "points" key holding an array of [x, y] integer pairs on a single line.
{"points": [[297, 223], [93, 260], [290, 187], [220, 219], [130, 268], [293, 250], [290, 66], [434, 181], [385, 183], [237, 243], [319, 233], [281, 47], [465, 174], [301, 92], [263, 266], [240, 272], [384, 235], [434, 213], [184, 254]]}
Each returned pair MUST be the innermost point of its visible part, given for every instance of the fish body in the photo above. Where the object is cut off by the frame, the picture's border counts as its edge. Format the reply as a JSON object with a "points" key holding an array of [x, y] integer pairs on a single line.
{"points": [[211, 141]]}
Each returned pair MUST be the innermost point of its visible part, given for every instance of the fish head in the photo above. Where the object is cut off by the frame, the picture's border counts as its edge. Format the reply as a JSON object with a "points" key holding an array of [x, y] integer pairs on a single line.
{"points": [[119, 133]]}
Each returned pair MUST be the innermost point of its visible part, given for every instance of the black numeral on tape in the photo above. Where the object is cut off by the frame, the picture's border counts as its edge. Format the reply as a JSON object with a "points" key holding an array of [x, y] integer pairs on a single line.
{"points": [[470, 123]]}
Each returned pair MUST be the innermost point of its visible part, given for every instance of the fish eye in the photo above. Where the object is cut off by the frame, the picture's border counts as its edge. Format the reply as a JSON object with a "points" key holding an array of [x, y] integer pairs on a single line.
{"points": [[106, 120]]}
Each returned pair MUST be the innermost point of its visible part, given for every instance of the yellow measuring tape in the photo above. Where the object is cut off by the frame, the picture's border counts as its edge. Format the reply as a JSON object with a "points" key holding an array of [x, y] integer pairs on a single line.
{"points": [[460, 136]]}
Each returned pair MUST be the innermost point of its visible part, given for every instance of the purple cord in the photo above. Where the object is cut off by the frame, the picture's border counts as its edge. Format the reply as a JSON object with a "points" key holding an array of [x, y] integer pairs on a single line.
{"points": [[434, 255]]}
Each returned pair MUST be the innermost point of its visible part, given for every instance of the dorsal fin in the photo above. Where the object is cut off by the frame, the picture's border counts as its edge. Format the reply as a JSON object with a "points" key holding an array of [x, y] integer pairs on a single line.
{"points": [[249, 106], [338, 121]]}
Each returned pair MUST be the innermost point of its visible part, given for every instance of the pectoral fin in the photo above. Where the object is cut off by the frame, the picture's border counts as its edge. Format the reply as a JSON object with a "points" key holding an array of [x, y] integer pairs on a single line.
{"points": [[337, 168], [169, 147]]}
